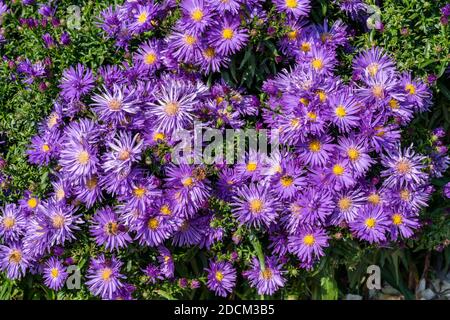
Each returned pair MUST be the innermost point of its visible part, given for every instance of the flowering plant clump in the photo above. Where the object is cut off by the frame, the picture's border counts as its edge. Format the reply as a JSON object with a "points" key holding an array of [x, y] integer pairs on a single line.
{"points": [[143, 221]]}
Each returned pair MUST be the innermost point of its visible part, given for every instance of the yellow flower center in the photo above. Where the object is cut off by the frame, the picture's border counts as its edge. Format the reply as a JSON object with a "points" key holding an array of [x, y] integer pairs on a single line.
{"points": [[291, 4], [304, 101], [165, 210], [404, 195], [219, 276], [197, 15], [322, 95], [374, 199], [251, 166], [353, 154], [410, 88], [295, 122], [114, 105], [106, 274], [309, 240], [266, 274], [256, 206], [142, 18], [380, 131], [312, 116], [227, 33], [83, 157], [54, 273], [53, 120], [139, 192], [150, 58], [315, 146], [394, 104], [403, 166], [338, 169], [292, 35], [158, 136], [372, 68], [60, 194], [153, 223], [58, 221], [15, 256], [187, 182], [345, 203], [286, 181], [397, 219], [209, 53], [370, 223], [32, 203], [377, 91], [9, 222], [45, 147], [340, 111], [305, 46], [317, 64], [190, 40], [171, 108], [124, 155]]}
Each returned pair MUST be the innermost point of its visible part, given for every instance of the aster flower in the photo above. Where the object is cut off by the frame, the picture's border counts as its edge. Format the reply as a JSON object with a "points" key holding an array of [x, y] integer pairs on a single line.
{"points": [[197, 15], [78, 159], [76, 82], [29, 203], [289, 181], [254, 206], [296, 8], [316, 150], [104, 276], [125, 150], [308, 244], [416, 92], [174, 105], [226, 7], [221, 277], [371, 62], [322, 61], [115, 105], [54, 273], [13, 260], [12, 223], [344, 110], [61, 222], [190, 233], [142, 17], [184, 46], [149, 54], [371, 224], [354, 149], [108, 231], [165, 259], [404, 168], [88, 191], [44, 148], [153, 273], [267, 279], [152, 230], [403, 224], [227, 36], [348, 203]]}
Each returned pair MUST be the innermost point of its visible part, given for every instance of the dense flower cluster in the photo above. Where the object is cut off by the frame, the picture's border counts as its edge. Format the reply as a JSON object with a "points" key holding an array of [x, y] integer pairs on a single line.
{"points": [[110, 135]]}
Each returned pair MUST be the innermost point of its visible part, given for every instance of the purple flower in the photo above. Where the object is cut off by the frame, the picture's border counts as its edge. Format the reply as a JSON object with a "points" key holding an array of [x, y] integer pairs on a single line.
{"points": [[107, 230], [254, 206], [54, 274], [446, 190], [104, 276], [295, 8], [76, 82], [371, 224], [227, 36], [13, 260], [12, 223], [221, 277], [308, 244], [267, 279]]}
